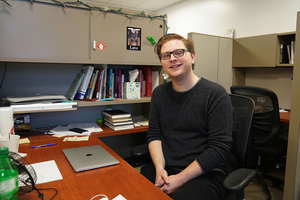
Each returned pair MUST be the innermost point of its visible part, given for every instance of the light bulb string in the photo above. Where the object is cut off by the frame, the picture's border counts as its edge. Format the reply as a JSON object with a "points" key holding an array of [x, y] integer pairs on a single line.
{"points": [[106, 9]]}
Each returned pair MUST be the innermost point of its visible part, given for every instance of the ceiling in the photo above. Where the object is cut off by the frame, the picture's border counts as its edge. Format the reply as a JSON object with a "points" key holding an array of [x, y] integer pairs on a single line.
{"points": [[146, 5]]}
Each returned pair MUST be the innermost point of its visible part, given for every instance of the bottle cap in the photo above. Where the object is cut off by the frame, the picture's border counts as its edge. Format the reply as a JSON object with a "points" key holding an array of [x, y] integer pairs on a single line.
{"points": [[4, 151]]}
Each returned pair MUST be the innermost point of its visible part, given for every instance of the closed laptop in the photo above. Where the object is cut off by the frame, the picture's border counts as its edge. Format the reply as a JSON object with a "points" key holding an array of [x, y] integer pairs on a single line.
{"points": [[89, 157]]}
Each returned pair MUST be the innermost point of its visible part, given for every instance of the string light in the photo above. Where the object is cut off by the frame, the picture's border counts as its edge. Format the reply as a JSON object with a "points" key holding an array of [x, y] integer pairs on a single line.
{"points": [[6, 3], [106, 9]]}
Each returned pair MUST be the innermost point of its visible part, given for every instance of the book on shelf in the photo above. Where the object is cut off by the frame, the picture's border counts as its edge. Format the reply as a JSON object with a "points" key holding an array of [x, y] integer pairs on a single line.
{"points": [[94, 83], [140, 120], [283, 54], [111, 83], [141, 79], [116, 83], [116, 114], [103, 83], [148, 81], [98, 85], [120, 83], [288, 47], [88, 71], [155, 79], [126, 119], [117, 123], [120, 127], [75, 86], [292, 52], [89, 88]]}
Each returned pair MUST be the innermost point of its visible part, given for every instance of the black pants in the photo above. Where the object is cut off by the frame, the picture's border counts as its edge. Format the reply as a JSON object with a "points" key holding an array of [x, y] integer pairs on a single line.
{"points": [[205, 187]]}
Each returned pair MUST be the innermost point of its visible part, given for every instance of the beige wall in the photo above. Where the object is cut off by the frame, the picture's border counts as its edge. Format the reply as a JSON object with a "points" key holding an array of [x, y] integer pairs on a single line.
{"points": [[276, 79]]}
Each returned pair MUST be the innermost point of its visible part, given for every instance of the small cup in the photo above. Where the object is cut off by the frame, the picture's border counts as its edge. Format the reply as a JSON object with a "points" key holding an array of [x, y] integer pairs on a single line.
{"points": [[12, 143]]}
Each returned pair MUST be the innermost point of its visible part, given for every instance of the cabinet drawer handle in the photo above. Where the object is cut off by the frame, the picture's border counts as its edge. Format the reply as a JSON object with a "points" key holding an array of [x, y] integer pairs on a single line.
{"points": [[94, 45]]}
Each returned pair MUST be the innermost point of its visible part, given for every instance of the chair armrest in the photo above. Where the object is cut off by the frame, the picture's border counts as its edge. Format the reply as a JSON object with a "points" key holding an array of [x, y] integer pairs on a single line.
{"points": [[140, 151], [238, 179]]}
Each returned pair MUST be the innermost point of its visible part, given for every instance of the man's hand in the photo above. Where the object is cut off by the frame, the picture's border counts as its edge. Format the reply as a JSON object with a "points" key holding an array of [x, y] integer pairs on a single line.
{"points": [[161, 178], [174, 183]]}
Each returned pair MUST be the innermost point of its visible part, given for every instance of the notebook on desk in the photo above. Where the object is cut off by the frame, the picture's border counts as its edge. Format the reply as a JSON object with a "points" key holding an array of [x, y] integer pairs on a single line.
{"points": [[89, 157]]}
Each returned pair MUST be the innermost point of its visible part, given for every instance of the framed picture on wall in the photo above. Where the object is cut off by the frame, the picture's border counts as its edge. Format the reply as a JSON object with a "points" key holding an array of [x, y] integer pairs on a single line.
{"points": [[134, 38]]}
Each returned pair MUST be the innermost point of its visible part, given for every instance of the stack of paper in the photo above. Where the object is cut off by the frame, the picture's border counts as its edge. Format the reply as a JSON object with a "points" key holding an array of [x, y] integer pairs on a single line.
{"points": [[64, 130], [40, 103], [36, 99]]}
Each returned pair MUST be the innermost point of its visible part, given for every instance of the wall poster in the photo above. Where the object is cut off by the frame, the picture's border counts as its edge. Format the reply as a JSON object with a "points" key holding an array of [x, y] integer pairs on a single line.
{"points": [[134, 38]]}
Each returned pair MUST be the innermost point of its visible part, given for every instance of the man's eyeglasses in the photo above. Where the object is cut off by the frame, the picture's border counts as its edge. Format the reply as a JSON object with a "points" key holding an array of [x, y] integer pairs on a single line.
{"points": [[176, 53]]}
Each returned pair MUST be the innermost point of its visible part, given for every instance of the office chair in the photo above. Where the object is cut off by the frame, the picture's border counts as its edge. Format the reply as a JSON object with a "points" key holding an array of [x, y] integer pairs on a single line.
{"points": [[239, 177], [264, 140], [141, 154]]}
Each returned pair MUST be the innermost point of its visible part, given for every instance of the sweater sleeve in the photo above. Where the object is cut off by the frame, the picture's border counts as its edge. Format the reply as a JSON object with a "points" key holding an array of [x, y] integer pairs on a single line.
{"points": [[154, 130], [219, 134]]}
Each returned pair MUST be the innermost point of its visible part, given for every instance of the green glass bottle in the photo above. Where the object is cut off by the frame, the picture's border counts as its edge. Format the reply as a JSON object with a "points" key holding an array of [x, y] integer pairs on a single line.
{"points": [[9, 187]]}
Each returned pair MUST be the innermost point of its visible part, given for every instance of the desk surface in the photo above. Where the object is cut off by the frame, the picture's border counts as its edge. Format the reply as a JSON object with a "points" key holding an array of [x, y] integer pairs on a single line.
{"points": [[285, 116], [110, 181]]}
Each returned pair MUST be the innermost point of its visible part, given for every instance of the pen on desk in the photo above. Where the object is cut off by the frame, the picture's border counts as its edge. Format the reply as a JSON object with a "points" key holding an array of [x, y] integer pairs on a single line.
{"points": [[44, 145]]}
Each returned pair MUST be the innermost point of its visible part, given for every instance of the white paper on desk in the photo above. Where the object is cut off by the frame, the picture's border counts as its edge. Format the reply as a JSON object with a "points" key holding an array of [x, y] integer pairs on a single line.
{"points": [[283, 110], [140, 120], [46, 172], [64, 130]]}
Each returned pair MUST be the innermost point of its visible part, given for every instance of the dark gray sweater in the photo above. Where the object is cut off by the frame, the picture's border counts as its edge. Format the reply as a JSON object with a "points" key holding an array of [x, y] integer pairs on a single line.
{"points": [[195, 124]]}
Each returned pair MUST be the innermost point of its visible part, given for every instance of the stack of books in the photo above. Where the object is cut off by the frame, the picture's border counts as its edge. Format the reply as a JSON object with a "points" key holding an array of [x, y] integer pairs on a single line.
{"points": [[118, 120]]}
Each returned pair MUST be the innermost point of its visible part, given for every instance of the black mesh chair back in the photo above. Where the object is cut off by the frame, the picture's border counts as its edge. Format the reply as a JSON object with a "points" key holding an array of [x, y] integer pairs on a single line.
{"points": [[266, 120], [242, 108]]}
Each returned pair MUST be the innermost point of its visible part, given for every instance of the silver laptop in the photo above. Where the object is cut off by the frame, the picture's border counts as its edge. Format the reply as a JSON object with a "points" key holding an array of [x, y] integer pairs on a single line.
{"points": [[89, 157]]}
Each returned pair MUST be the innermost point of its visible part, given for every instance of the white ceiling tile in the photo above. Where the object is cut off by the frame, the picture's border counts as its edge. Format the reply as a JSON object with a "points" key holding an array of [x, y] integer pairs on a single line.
{"points": [[128, 3], [153, 5], [147, 5]]}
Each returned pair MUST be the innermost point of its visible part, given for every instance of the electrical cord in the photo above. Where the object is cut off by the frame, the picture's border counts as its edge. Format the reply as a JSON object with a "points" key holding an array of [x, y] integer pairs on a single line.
{"points": [[100, 195], [42, 196]]}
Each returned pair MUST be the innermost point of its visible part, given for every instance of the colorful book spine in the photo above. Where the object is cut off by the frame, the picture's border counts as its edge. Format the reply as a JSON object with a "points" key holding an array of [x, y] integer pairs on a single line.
{"points": [[88, 91], [120, 84], [94, 83], [88, 71], [98, 85], [75, 86], [110, 87], [103, 93], [148, 81], [140, 79], [116, 83]]}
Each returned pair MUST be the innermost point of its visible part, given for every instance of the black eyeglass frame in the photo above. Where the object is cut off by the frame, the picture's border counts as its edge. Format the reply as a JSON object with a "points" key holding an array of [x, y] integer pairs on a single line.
{"points": [[169, 53]]}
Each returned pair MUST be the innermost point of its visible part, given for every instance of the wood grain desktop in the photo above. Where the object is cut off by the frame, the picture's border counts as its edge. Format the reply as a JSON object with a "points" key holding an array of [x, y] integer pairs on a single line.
{"points": [[110, 181], [284, 117]]}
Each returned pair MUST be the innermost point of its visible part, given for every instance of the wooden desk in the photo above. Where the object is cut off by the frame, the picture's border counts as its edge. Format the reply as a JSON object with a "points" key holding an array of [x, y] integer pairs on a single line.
{"points": [[110, 181], [109, 132], [285, 116]]}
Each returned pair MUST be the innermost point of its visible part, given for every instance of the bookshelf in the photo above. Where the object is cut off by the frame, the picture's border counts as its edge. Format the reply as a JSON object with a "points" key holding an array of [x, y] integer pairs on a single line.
{"points": [[260, 51], [117, 102]]}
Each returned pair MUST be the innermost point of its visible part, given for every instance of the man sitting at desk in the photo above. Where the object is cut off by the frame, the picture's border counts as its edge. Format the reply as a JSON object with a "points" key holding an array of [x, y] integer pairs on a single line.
{"points": [[190, 127]]}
